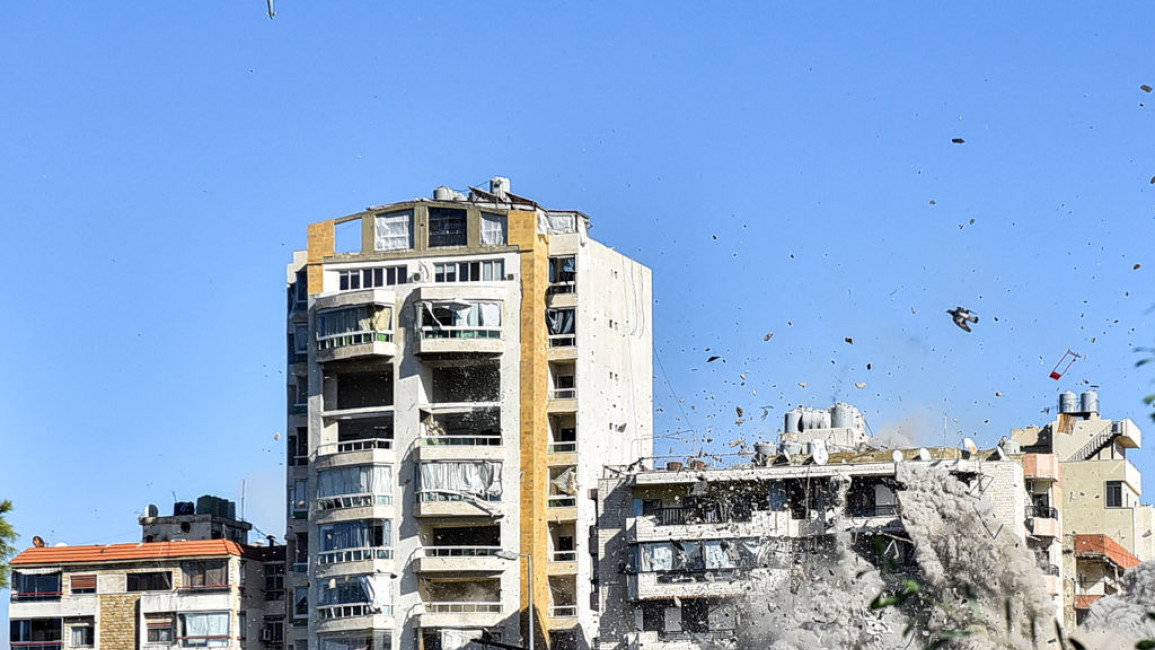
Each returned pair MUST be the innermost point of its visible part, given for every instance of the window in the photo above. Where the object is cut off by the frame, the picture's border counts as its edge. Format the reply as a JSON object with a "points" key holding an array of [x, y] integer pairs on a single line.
{"points": [[83, 635], [354, 486], [274, 581], [562, 269], [358, 640], [35, 586], [478, 320], [273, 630], [205, 574], [493, 229], [352, 325], [299, 447], [394, 231], [301, 602], [446, 227], [204, 630], [301, 393], [459, 480], [28, 632], [1114, 494], [82, 584], [160, 629], [383, 276], [301, 553], [352, 541], [299, 500], [561, 327], [148, 581], [482, 271]]}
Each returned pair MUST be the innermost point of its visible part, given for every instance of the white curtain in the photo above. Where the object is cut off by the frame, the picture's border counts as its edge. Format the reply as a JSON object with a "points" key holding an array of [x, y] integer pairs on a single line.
{"points": [[560, 321], [378, 588], [394, 231], [721, 554], [562, 223], [354, 534], [479, 478], [355, 479], [209, 624], [493, 229]]}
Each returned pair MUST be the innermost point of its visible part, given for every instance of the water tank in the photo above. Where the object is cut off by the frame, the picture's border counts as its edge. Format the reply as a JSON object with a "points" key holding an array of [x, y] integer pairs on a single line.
{"points": [[1089, 401], [793, 421], [842, 416], [792, 448], [1068, 402], [443, 193], [181, 508]]}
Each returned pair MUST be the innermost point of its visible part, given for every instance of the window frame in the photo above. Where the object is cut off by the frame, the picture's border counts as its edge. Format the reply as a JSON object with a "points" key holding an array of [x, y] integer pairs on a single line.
{"points": [[139, 575], [1108, 489], [440, 231]]}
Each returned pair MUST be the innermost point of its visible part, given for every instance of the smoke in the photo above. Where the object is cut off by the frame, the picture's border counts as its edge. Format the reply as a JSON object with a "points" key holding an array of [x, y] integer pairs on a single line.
{"points": [[1122, 621], [969, 584]]}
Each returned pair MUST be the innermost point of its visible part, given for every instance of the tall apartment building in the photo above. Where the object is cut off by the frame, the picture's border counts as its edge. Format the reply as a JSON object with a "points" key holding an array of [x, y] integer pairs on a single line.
{"points": [[461, 368], [201, 587], [1084, 479]]}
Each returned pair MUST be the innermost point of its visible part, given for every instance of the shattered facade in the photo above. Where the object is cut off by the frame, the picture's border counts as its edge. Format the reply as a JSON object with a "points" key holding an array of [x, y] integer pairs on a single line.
{"points": [[460, 368]]}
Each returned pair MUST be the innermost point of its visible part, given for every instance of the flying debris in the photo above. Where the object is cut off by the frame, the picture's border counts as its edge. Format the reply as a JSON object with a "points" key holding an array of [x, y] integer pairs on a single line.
{"points": [[1136, 267], [271, 12], [849, 340], [738, 410], [769, 335], [1145, 88], [860, 385], [961, 316], [1069, 357], [713, 358], [957, 140]]}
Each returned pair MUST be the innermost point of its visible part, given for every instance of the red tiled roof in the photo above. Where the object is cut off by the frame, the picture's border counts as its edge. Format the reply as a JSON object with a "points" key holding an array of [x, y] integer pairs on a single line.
{"points": [[1093, 546], [125, 552], [1085, 601]]}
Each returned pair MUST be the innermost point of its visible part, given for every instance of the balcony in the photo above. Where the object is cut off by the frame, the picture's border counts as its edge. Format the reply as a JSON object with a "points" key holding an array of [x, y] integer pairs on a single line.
{"points": [[451, 324], [685, 584], [1041, 467], [479, 614], [37, 645], [464, 431], [355, 324], [348, 555], [1043, 521], [350, 610], [453, 559], [447, 503], [562, 611]]}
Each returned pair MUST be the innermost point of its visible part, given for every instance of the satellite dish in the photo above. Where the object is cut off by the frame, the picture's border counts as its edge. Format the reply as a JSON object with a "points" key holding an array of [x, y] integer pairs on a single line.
{"points": [[923, 454], [819, 453], [970, 445], [897, 456], [151, 511]]}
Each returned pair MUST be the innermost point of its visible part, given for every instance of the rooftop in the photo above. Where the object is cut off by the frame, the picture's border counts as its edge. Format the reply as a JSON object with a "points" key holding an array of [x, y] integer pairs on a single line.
{"points": [[125, 552]]}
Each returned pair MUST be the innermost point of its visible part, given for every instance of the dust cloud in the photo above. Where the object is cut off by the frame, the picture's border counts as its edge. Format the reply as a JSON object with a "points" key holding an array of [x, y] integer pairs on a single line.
{"points": [[1121, 621]]}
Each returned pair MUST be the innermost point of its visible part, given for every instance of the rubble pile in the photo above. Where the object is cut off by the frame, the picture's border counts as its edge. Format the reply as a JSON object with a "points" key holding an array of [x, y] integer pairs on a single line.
{"points": [[1122, 621]]}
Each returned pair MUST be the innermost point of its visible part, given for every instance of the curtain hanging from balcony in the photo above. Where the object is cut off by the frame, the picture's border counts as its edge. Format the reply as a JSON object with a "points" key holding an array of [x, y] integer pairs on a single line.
{"points": [[355, 479], [560, 321], [479, 478]]}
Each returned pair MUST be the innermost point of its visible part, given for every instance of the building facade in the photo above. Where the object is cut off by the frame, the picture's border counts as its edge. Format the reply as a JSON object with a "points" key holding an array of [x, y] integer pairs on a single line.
{"points": [[460, 369], [191, 592]]}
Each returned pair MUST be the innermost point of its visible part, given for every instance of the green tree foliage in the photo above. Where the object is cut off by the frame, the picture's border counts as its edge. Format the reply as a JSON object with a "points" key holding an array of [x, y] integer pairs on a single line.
{"points": [[7, 536]]}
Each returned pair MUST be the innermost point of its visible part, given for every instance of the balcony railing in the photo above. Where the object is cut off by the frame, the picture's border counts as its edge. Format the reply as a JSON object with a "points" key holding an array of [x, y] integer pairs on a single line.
{"points": [[187, 589], [460, 441], [37, 645], [334, 341], [562, 340], [562, 447], [1042, 512], [463, 608], [348, 610], [460, 332], [563, 393], [355, 555], [563, 556], [562, 501], [563, 611], [354, 501], [35, 596], [347, 446], [204, 641], [568, 286], [885, 510], [461, 551]]}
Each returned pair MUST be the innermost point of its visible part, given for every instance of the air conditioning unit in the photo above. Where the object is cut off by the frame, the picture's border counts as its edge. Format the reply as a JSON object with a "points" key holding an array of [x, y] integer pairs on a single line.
{"points": [[416, 277], [510, 276]]}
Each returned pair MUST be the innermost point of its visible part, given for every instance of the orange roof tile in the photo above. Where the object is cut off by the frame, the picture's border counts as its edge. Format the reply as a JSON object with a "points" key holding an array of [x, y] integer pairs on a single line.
{"points": [[125, 552], [1095, 546]]}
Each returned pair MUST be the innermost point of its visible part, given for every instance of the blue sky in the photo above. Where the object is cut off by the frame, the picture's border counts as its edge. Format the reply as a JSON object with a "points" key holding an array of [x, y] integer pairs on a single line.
{"points": [[783, 168]]}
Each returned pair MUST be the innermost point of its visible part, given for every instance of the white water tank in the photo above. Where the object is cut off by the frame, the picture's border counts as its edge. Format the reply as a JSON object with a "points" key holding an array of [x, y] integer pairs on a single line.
{"points": [[1068, 402], [1089, 402]]}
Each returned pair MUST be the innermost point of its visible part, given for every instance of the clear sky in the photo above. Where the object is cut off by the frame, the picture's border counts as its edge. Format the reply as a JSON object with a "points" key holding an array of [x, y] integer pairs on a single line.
{"points": [[784, 168]]}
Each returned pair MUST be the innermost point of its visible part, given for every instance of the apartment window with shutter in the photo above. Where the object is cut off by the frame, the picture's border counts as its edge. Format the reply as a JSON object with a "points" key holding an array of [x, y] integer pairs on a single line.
{"points": [[82, 584]]}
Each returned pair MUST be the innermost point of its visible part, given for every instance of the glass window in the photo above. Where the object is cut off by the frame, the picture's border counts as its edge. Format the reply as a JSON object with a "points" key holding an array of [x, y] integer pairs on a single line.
{"points": [[149, 581], [394, 231], [358, 640], [1114, 494], [493, 229], [355, 479], [356, 534], [301, 602], [204, 630], [205, 574], [447, 227], [83, 635], [83, 584], [481, 271]]}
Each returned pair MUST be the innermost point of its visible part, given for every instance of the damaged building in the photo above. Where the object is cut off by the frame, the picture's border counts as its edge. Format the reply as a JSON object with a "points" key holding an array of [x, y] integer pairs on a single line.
{"points": [[460, 369], [682, 548], [193, 581]]}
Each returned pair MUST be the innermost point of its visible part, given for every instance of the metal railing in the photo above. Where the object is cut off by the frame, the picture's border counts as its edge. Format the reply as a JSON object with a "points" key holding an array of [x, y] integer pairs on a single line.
{"points": [[569, 286], [463, 608], [355, 555], [197, 588], [563, 611], [333, 341], [562, 447], [38, 645], [563, 556], [354, 501], [460, 441], [563, 393], [562, 340], [1042, 512], [34, 596], [459, 332], [886, 510], [562, 501], [354, 445], [348, 610], [461, 551]]}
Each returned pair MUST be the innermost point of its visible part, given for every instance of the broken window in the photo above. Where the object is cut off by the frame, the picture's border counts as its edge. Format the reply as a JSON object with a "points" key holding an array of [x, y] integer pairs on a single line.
{"points": [[374, 592], [299, 500], [353, 325], [204, 574], [274, 581], [562, 274], [481, 271], [355, 486], [352, 541], [347, 236], [357, 640], [493, 229], [394, 231], [466, 536], [460, 320], [301, 603], [479, 382], [447, 227], [357, 390], [453, 480], [299, 447], [148, 581]]}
